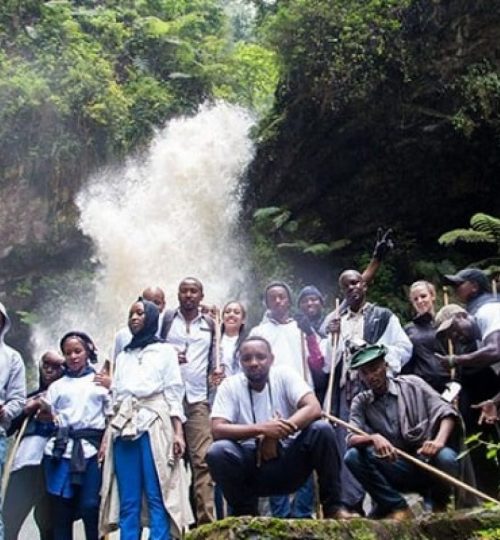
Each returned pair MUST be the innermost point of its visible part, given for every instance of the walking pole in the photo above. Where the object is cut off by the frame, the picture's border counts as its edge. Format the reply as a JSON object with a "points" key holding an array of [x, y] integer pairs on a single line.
{"points": [[494, 288], [417, 462], [217, 335], [331, 378], [10, 460], [449, 341], [304, 354]]}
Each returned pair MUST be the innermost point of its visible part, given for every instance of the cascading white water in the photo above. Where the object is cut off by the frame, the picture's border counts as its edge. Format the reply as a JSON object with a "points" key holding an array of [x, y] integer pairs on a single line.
{"points": [[169, 214]]}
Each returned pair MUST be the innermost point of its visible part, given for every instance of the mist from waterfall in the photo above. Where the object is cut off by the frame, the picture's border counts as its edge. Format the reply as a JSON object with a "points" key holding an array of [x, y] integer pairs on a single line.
{"points": [[168, 214]]}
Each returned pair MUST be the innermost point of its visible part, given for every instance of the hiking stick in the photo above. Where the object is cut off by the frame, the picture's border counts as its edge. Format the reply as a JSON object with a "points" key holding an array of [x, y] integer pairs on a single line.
{"points": [[10, 460], [449, 341], [304, 354], [494, 288], [331, 377], [417, 462], [217, 336]]}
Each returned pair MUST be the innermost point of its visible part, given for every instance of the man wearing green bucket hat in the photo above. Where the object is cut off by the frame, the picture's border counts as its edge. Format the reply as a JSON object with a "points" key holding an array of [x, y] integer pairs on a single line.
{"points": [[406, 413]]}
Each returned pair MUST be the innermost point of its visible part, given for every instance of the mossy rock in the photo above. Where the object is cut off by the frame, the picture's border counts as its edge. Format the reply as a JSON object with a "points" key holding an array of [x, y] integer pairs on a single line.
{"points": [[477, 525]]}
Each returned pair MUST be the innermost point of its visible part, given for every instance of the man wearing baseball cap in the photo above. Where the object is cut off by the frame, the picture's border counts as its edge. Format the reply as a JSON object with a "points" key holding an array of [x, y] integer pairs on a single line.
{"points": [[398, 412], [480, 322], [477, 357]]}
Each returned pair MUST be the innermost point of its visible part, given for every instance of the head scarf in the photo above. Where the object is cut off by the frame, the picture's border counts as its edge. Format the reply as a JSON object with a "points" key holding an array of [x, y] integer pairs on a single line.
{"points": [[147, 335]]}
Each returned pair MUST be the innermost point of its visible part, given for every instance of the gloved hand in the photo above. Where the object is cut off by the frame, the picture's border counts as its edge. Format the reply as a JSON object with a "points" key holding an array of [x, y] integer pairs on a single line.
{"points": [[383, 244], [304, 324]]}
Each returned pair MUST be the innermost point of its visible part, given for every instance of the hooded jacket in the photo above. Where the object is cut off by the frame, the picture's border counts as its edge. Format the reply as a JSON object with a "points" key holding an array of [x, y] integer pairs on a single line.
{"points": [[12, 377]]}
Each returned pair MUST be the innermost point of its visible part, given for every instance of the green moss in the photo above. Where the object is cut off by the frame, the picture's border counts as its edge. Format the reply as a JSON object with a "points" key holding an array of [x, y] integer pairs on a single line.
{"points": [[484, 525]]}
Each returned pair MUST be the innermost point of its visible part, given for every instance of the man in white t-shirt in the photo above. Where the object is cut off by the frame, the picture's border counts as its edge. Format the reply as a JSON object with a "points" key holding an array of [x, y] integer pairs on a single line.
{"points": [[269, 436]]}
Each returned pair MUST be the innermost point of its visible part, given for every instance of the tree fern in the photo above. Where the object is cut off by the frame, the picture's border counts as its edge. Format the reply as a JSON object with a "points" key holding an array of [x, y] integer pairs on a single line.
{"points": [[484, 228], [487, 224], [465, 235]]}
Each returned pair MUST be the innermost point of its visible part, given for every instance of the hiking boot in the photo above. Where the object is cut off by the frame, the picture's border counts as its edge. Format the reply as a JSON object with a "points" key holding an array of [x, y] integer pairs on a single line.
{"points": [[401, 514]]}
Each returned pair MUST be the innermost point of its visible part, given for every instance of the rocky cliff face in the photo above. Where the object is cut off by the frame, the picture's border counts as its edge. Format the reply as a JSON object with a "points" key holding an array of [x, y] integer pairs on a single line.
{"points": [[419, 152], [39, 240]]}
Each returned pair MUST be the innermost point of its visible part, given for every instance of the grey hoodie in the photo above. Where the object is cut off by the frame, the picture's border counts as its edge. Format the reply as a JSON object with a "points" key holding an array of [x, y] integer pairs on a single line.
{"points": [[12, 378]]}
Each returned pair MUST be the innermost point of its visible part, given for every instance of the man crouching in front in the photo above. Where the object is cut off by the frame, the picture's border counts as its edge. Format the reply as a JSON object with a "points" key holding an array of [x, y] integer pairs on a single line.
{"points": [[269, 437]]}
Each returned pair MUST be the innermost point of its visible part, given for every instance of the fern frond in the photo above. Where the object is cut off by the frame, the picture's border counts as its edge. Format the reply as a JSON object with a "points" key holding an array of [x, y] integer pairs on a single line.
{"points": [[486, 223], [465, 235]]}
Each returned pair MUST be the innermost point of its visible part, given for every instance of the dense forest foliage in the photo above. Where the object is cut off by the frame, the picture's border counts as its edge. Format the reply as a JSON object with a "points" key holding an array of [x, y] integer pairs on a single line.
{"points": [[372, 113], [82, 82], [386, 114]]}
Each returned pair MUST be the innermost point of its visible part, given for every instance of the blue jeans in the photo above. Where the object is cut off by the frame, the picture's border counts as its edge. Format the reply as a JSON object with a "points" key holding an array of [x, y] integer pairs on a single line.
{"points": [[136, 473], [233, 467], [302, 504], [385, 480]]}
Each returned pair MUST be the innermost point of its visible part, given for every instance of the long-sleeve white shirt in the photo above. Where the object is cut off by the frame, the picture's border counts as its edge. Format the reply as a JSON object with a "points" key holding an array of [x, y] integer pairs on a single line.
{"points": [[196, 335], [147, 372]]}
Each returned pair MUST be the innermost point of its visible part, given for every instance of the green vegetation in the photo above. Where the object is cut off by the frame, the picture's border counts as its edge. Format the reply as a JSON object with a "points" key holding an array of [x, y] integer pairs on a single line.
{"points": [[483, 229], [84, 81]]}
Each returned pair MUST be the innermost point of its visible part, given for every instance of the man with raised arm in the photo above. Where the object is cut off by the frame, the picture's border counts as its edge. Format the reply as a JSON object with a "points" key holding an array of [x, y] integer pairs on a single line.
{"points": [[269, 437], [360, 322]]}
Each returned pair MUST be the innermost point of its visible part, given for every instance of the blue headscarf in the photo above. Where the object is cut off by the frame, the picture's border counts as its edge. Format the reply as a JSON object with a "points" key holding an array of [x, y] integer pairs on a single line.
{"points": [[147, 335]]}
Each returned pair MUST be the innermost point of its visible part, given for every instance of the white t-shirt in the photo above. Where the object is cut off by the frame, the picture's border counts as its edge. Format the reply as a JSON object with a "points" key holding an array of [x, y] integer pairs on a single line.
{"points": [[236, 403], [228, 347], [488, 319], [80, 403], [286, 344], [146, 372]]}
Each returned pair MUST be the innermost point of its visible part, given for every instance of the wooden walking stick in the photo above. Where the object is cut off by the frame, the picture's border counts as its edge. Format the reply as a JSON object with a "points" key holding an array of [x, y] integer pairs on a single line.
{"points": [[10, 459], [217, 336], [303, 351], [417, 462], [453, 370], [331, 378]]}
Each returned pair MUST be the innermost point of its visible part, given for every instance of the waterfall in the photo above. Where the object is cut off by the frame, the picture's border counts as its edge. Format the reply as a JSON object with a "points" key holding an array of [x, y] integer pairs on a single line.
{"points": [[168, 214]]}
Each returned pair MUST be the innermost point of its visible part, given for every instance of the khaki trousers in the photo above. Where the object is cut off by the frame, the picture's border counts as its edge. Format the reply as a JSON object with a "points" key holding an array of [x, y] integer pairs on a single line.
{"points": [[198, 440]]}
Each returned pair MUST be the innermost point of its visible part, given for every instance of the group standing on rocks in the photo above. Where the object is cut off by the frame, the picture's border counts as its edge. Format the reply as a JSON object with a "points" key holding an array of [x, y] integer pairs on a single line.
{"points": [[303, 416]]}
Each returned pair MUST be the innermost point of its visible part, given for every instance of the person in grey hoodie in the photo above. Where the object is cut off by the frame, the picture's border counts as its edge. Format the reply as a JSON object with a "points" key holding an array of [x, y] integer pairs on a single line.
{"points": [[12, 389]]}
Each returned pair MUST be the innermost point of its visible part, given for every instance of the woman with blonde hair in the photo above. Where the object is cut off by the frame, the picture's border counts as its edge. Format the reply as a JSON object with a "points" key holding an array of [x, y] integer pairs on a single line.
{"points": [[422, 334]]}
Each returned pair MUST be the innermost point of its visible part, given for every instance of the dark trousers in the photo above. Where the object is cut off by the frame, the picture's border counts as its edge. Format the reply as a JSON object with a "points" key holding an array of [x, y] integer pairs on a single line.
{"points": [[385, 480], [83, 505], [233, 467], [27, 490]]}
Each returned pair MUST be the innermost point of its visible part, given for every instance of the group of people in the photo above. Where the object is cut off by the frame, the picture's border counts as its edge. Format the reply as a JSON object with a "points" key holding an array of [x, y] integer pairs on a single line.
{"points": [[195, 417]]}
